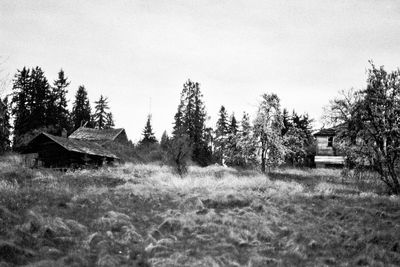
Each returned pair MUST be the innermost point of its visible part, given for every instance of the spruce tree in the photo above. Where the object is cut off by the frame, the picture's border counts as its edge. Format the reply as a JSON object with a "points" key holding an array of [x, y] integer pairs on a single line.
{"points": [[60, 115], [40, 100], [81, 111], [20, 109], [190, 121], [31, 103], [232, 151], [221, 136], [233, 127], [148, 134], [101, 115], [178, 128]]}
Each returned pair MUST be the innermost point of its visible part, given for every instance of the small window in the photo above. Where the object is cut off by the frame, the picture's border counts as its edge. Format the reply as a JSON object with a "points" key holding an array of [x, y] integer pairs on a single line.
{"points": [[330, 141]]}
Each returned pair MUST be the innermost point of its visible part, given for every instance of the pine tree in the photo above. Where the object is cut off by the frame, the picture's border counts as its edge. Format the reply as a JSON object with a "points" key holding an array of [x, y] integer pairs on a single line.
{"points": [[233, 127], [60, 115], [190, 120], [221, 136], [40, 100], [232, 151], [31, 103], [178, 122], [5, 127], [81, 111], [148, 135], [20, 109], [101, 115]]}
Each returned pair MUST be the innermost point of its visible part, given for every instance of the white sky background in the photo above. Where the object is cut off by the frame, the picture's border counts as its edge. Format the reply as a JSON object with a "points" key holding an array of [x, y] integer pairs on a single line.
{"points": [[131, 51]]}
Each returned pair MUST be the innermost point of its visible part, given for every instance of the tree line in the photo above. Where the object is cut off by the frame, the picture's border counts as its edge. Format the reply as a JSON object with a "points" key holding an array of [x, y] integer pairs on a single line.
{"points": [[272, 138], [35, 105]]}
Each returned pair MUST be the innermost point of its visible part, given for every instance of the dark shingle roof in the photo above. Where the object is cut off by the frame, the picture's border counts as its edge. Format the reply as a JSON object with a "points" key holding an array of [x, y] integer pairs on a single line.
{"points": [[83, 133], [80, 146], [331, 131]]}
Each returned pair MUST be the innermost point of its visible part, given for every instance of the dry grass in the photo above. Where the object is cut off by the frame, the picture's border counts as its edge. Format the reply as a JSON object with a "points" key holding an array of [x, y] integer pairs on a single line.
{"points": [[140, 215]]}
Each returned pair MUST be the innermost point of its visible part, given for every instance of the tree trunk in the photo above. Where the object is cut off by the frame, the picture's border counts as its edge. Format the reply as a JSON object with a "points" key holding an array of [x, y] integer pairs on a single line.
{"points": [[263, 160]]}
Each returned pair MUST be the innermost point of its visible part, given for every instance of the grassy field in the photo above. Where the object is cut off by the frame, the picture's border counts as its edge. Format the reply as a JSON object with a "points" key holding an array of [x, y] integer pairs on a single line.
{"points": [[144, 215]]}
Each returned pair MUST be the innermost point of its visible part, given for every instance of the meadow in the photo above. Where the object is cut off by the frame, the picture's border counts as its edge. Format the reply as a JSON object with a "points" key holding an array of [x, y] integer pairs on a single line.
{"points": [[146, 215]]}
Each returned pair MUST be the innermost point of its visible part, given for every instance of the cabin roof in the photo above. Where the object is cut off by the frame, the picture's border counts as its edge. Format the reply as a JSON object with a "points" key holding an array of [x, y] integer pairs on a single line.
{"points": [[76, 145], [91, 134], [331, 131], [326, 132]]}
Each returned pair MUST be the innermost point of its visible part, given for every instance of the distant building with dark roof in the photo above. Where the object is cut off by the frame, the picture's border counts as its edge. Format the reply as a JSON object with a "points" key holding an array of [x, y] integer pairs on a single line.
{"points": [[100, 135], [326, 153], [85, 146]]}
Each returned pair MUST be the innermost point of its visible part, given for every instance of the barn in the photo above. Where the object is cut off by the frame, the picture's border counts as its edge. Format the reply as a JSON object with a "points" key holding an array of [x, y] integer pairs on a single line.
{"points": [[326, 152], [59, 152]]}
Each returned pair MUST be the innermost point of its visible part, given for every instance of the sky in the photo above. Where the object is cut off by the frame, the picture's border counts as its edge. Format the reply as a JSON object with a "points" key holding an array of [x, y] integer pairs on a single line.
{"points": [[140, 53]]}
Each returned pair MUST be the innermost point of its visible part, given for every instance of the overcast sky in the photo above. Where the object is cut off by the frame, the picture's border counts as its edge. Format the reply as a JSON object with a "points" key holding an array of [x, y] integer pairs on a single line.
{"points": [[137, 52]]}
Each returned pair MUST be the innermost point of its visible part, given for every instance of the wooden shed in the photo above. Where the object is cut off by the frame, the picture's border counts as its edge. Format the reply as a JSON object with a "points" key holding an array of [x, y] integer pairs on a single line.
{"points": [[326, 154], [60, 152]]}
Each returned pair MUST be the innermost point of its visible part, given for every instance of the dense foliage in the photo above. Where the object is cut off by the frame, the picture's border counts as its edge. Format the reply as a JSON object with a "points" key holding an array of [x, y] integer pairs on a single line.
{"points": [[370, 120]]}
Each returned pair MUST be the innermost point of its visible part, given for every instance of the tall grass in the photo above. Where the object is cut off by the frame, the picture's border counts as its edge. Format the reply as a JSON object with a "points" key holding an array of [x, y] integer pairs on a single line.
{"points": [[146, 214]]}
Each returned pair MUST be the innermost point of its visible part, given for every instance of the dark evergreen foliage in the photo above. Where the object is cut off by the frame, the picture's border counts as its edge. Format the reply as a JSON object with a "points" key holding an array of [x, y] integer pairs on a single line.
{"points": [[81, 111], [298, 139], [190, 120], [148, 134], [165, 141], [221, 136], [100, 115], [32, 103], [233, 126], [59, 114]]}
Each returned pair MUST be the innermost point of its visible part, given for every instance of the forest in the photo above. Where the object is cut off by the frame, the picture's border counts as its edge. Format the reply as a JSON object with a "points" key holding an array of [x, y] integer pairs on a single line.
{"points": [[35, 106]]}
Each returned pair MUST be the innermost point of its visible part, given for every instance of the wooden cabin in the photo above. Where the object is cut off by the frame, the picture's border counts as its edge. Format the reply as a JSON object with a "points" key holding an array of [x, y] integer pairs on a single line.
{"points": [[60, 152], [101, 136], [326, 152]]}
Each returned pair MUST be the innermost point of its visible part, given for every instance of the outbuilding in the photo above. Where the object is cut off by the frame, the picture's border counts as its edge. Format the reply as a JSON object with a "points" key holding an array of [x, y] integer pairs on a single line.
{"points": [[61, 152], [327, 154]]}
